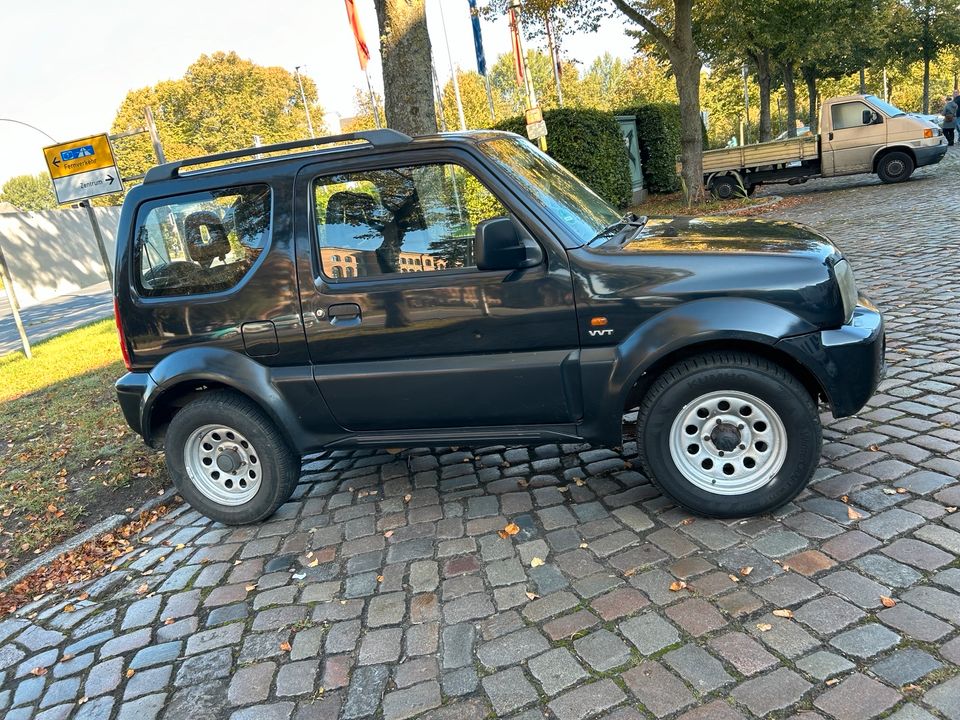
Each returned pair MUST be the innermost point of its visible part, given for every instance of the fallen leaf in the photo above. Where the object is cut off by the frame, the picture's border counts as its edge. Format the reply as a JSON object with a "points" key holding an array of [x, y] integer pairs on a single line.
{"points": [[901, 491], [563, 488], [733, 577], [388, 533], [874, 448], [250, 588], [169, 621], [889, 491], [314, 562], [179, 546], [677, 586], [67, 656], [511, 528], [887, 602], [39, 671], [783, 613], [687, 521], [584, 546], [82, 700], [531, 596], [579, 482], [407, 498], [536, 562], [746, 570], [131, 672], [83, 596], [285, 646], [853, 514], [379, 578], [912, 688], [832, 681], [764, 627], [950, 509], [142, 589], [844, 499]]}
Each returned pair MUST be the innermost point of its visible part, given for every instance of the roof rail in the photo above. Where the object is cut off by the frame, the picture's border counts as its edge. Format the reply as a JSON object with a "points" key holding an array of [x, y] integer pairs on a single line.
{"points": [[376, 138]]}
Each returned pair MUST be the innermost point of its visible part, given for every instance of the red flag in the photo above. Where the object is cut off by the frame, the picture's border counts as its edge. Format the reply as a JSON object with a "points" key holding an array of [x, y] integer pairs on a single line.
{"points": [[363, 52], [517, 48]]}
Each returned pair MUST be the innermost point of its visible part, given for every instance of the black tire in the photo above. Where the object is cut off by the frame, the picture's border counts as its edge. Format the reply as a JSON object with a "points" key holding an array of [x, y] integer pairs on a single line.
{"points": [[682, 384], [895, 167], [279, 466], [725, 187]]}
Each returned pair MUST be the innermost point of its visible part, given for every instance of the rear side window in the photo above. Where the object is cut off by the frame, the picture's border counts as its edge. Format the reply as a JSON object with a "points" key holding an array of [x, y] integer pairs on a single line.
{"points": [[200, 243]]}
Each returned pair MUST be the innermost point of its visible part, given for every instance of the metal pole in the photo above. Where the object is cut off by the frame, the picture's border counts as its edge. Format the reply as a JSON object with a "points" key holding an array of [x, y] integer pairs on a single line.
{"points": [[453, 72], [303, 97], [486, 81], [746, 105], [14, 305], [154, 135], [554, 61], [95, 224], [373, 101], [436, 89]]}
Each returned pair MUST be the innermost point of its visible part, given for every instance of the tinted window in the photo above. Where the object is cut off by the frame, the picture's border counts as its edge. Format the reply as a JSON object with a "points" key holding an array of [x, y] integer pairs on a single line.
{"points": [[848, 115], [201, 243], [407, 219]]}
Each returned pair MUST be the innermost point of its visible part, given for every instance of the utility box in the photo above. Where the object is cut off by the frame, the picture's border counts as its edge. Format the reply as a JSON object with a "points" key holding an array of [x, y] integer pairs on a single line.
{"points": [[628, 127]]}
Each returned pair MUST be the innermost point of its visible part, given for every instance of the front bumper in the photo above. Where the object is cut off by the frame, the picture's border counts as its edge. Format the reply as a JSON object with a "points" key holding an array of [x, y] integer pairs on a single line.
{"points": [[931, 154], [131, 389], [848, 362]]}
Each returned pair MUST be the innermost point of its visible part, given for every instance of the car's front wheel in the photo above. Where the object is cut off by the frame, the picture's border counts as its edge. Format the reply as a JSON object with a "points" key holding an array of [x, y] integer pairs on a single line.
{"points": [[895, 167], [228, 460], [729, 435]]}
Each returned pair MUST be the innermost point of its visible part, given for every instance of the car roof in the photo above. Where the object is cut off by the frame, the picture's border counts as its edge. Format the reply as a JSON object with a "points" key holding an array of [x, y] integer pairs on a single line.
{"points": [[326, 147]]}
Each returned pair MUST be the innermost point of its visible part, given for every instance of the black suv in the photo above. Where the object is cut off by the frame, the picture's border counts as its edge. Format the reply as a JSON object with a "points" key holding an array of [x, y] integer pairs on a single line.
{"points": [[377, 290]]}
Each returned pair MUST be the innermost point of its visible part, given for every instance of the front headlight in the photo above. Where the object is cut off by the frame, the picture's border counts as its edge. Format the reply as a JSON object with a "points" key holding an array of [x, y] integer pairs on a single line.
{"points": [[848, 288]]}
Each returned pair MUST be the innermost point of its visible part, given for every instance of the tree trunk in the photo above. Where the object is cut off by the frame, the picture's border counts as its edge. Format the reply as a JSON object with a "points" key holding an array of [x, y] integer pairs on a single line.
{"points": [[685, 60], [810, 77], [764, 80], [407, 81], [863, 81], [926, 83], [791, 92]]}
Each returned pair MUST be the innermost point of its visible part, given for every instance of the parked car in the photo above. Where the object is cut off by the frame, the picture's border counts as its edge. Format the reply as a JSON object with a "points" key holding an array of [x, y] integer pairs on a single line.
{"points": [[465, 289], [858, 134]]}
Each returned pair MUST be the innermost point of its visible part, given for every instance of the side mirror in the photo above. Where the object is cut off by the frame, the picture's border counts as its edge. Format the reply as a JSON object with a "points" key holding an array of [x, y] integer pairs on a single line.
{"points": [[501, 245], [870, 117]]}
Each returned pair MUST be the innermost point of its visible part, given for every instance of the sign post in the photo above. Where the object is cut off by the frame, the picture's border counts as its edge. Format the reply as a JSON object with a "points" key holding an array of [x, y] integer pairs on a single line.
{"points": [[14, 305], [83, 169]]}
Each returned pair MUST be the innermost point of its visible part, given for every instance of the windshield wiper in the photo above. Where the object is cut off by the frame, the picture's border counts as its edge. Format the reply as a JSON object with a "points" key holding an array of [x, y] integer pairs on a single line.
{"points": [[630, 220]]}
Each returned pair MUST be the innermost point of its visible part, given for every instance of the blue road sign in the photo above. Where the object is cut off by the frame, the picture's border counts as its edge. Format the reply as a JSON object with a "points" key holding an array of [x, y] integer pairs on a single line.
{"points": [[77, 152]]}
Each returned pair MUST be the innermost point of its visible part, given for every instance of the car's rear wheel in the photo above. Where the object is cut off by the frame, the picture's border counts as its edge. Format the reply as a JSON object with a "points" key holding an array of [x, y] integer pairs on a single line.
{"points": [[895, 167], [729, 435], [228, 460], [725, 187]]}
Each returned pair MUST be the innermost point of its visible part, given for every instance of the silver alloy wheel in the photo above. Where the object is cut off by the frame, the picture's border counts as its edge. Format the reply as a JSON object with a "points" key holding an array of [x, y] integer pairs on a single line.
{"points": [[728, 442], [896, 168], [222, 464]]}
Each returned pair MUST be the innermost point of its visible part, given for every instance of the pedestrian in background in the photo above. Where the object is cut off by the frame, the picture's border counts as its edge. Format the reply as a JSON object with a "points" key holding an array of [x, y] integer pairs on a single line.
{"points": [[949, 119]]}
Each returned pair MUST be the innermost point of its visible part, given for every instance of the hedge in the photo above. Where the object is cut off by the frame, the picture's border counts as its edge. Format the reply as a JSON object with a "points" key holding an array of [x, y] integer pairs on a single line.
{"points": [[658, 133], [589, 144]]}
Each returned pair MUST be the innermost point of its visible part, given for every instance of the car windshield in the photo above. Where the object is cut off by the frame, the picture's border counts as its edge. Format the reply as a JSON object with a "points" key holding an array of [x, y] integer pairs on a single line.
{"points": [[552, 186], [885, 107]]}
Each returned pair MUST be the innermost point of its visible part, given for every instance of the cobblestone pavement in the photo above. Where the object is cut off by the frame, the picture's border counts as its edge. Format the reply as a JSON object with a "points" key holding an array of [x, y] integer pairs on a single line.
{"points": [[383, 588]]}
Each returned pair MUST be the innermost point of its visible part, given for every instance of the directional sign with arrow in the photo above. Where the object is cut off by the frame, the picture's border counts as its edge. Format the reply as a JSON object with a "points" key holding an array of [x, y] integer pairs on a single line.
{"points": [[83, 168]]}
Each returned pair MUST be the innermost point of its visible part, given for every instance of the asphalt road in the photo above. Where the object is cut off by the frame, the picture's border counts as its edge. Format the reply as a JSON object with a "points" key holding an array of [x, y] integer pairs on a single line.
{"points": [[54, 316]]}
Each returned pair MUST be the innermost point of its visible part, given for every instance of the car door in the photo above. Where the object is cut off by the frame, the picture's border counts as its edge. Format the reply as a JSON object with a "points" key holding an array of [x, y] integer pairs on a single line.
{"points": [[403, 330], [850, 143]]}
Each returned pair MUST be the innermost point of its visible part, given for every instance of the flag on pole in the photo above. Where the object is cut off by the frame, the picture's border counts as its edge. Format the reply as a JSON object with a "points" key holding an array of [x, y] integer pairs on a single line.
{"points": [[517, 47], [477, 38], [363, 52]]}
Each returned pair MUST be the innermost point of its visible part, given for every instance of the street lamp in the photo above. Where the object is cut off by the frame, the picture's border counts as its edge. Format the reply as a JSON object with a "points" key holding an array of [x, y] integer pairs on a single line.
{"points": [[32, 127], [745, 71], [303, 96]]}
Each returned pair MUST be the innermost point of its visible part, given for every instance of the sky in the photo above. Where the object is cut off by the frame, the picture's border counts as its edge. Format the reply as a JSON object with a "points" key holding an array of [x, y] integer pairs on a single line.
{"points": [[67, 66]]}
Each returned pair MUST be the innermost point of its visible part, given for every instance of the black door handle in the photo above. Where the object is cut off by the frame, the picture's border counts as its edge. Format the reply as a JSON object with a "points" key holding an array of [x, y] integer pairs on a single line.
{"points": [[344, 314], [830, 136]]}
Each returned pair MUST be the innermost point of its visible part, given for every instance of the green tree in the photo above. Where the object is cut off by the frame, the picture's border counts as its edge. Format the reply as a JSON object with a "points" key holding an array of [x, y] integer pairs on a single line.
{"points": [[219, 104], [924, 28], [29, 192]]}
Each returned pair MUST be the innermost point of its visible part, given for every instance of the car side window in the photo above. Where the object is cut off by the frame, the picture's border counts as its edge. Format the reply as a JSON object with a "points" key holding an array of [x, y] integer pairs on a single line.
{"points": [[847, 115], [200, 243], [399, 220]]}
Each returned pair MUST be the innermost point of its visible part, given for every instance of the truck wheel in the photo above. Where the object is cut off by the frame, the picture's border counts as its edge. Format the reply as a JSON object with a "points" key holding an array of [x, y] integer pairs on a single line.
{"points": [[725, 187], [895, 167], [729, 435], [228, 460]]}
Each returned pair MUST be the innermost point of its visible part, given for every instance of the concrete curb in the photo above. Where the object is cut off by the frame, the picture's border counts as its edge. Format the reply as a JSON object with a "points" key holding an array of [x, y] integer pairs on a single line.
{"points": [[101, 528]]}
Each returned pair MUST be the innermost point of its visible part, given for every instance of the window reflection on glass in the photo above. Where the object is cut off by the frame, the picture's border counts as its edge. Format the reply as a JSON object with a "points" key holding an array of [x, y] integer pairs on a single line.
{"points": [[407, 219], [201, 243]]}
